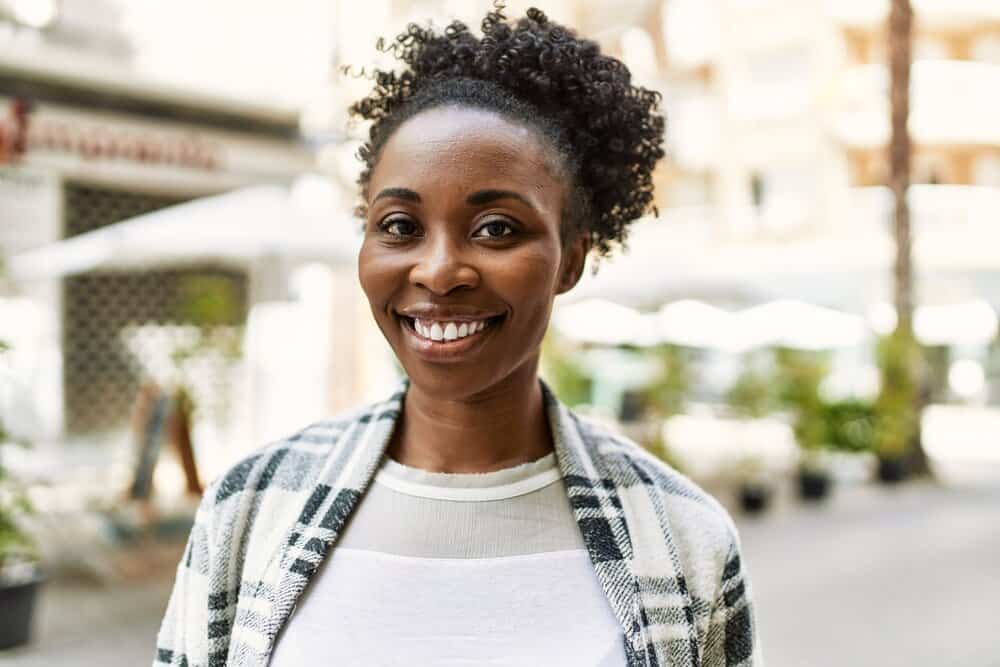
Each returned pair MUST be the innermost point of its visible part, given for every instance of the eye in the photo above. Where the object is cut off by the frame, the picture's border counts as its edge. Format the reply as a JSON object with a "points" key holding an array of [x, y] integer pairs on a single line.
{"points": [[494, 229], [398, 227]]}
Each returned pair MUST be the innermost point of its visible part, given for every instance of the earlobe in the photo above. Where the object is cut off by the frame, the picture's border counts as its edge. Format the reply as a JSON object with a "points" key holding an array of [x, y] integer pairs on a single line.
{"points": [[573, 263]]}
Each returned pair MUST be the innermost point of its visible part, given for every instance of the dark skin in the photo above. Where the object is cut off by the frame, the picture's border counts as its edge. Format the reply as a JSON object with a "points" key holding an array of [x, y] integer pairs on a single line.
{"points": [[465, 212]]}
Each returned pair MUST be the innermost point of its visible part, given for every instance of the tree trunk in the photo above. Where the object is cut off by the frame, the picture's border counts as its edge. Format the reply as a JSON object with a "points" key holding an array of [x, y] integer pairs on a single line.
{"points": [[900, 152], [900, 45]]}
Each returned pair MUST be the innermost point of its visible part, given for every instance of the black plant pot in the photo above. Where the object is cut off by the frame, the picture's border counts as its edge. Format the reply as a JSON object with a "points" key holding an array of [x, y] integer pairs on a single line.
{"points": [[814, 485], [891, 470], [754, 498], [18, 604]]}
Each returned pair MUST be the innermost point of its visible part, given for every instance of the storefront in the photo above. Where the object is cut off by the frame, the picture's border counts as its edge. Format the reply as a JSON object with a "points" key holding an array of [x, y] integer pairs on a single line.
{"points": [[74, 158]]}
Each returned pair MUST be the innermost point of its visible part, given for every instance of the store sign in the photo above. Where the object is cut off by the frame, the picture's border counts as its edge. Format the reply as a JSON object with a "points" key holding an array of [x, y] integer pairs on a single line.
{"points": [[93, 141], [88, 139], [14, 131]]}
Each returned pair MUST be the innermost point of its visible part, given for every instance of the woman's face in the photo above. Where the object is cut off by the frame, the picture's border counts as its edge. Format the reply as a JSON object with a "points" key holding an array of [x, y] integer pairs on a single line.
{"points": [[462, 254]]}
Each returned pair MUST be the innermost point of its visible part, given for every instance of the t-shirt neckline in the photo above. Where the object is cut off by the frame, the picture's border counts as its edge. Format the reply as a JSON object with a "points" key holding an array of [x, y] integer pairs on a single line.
{"points": [[495, 485]]}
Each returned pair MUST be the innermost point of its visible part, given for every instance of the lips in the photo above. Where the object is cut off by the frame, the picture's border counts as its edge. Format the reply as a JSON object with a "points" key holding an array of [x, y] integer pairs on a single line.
{"points": [[447, 340]]}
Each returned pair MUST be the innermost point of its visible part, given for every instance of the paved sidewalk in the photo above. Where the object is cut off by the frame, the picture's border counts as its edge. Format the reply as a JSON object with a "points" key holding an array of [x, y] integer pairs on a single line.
{"points": [[80, 621], [879, 577]]}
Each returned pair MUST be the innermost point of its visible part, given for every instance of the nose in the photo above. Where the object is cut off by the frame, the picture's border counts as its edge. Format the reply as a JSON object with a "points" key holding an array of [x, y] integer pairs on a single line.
{"points": [[443, 267]]}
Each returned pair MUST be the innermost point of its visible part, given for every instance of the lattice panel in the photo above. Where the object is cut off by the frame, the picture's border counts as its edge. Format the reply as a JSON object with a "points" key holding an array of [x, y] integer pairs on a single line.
{"points": [[103, 362]]}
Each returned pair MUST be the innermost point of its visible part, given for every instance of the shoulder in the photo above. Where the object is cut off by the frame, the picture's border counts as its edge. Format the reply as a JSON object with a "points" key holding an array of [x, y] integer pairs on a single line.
{"points": [[702, 530], [288, 464]]}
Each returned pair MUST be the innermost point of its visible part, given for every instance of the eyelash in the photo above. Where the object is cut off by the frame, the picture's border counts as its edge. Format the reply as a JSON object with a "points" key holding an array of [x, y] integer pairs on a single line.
{"points": [[495, 222], [384, 226], [388, 222]]}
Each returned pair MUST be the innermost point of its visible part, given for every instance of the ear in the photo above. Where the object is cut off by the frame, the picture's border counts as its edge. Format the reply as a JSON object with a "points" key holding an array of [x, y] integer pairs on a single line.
{"points": [[573, 261]]}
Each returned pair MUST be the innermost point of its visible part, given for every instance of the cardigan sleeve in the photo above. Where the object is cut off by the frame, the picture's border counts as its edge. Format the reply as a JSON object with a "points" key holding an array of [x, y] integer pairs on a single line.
{"points": [[183, 635], [731, 639]]}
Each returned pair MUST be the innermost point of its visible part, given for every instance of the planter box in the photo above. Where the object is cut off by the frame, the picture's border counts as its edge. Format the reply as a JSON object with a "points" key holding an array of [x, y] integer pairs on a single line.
{"points": [[754, 498], [814, 485], [891, 471], [18, 603]]}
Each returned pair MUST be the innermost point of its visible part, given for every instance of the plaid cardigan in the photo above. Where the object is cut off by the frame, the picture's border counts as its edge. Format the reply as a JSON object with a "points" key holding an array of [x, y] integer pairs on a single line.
{"points": [[666, 554]]}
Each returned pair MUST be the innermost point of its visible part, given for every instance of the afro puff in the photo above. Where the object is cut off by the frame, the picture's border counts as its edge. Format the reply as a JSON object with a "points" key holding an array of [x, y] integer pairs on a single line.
{"points": [[608, 132]]}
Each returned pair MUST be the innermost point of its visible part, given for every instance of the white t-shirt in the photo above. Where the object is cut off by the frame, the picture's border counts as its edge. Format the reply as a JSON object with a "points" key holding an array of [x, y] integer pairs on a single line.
{"points": [[456, 569]]}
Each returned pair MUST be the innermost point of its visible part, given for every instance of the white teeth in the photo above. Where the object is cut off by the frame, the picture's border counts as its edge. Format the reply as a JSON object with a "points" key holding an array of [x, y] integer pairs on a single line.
{"points": [[447, 331]]}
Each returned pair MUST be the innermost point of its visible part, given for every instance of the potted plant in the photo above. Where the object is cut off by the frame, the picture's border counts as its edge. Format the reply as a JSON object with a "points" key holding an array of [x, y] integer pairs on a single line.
{"points": [[895, 419], [21, 574], [851, 424], [667, 394], [800, 374], [754, 492], [752, 396], [212, 304]]}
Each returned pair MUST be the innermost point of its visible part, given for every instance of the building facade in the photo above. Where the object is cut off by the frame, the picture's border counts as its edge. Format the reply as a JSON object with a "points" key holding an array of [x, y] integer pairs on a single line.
{"points": [[85, 143]]}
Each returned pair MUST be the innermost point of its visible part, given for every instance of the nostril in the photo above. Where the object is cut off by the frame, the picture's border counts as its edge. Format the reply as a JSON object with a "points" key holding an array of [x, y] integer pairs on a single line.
{"points": [[442, 277]]}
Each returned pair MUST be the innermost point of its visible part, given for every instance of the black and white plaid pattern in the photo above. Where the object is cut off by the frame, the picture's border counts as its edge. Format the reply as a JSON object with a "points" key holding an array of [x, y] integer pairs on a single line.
{"points": [[666, 554]]}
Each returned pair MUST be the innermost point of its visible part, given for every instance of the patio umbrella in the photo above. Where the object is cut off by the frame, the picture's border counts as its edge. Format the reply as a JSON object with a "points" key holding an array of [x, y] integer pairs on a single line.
{"points": [[968, 323], [254, 226], [696, 324], [604, 322], [799, 325]]}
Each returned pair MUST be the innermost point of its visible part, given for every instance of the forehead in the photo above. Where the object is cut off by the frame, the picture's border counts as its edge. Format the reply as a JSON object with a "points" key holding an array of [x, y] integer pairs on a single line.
{"points": [[465, 147]]}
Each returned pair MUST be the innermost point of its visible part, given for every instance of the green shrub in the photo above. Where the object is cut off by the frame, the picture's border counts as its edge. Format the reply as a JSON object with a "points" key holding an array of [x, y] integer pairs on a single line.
{"points": [[895, 423], [667, 394], [753, 392], [570, 382], [14, 502], [798, 377], [850, 425]]}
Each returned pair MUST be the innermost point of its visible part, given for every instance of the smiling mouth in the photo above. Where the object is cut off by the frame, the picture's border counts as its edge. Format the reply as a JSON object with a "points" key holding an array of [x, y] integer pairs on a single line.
{"points": [[456, 333]]}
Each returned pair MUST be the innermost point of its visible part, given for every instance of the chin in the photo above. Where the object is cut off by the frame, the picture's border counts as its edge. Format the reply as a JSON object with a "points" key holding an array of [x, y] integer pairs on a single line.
{"points": [[464, 381], [448, 381]]}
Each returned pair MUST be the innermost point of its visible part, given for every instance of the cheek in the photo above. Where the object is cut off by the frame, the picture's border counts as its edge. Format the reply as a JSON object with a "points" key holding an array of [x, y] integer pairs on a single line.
{"points": [[528, 282], [378, 275]]}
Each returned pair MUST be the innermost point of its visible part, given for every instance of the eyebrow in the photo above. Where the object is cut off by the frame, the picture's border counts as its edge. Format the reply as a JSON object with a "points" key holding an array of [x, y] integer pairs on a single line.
{"points": [[486, 196], [398, 193], [475, 199]]}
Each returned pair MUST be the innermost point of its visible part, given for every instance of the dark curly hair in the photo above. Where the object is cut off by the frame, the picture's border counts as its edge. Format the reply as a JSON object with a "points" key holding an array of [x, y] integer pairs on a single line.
{"points": [[606, 131]]}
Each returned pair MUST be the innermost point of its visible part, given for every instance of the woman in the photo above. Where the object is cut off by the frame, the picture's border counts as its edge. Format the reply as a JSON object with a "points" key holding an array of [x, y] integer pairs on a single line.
{"points": [[471, 518]]}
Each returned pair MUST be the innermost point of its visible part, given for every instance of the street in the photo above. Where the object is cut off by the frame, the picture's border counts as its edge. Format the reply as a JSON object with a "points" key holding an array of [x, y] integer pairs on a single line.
{"points": [[879, 577]]}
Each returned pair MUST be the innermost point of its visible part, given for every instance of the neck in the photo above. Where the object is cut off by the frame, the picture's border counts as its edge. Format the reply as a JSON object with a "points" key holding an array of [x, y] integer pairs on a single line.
{"points": [[502, 427]]}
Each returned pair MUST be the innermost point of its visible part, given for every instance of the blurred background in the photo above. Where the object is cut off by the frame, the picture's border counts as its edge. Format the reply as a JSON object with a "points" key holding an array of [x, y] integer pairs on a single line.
{"points": [[808, 329]]}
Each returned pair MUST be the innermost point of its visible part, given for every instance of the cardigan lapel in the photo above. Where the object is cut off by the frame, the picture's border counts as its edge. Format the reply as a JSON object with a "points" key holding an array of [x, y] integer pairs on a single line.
{"points": [[354, 457], [619, 502], [597, 509]]}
